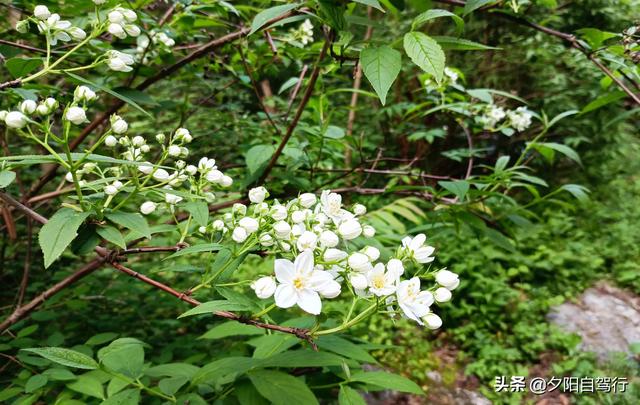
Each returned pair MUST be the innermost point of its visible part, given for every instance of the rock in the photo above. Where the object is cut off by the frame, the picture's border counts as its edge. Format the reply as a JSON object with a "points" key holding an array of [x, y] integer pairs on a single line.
{"points": [[606, 318]]}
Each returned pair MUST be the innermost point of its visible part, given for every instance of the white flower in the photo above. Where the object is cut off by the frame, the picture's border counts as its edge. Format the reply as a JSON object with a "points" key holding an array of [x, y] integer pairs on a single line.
{"points": [[69, 177], [182, 134], [226, 181], [329, 239], [282, 229], [264, 287], [432, 321], [129, 15], [132, 30], [120, 62], [413, 302], [119, 126], [381, 283], [172, 198], [520, 118], [350, 229], [239, 234], [395, 266], [191, 169], [307, 200], [298, 216], [442, 295], [99, 2], [332, 206], [451, 74], [217, 225], [161, 175], [278, 212], [358, 281], [372, 252], [257, 194], [334, 255], [214, 176], [359, 262], [266, 240], [447, 279], [28, 106], [117, 31], [83, 93], [174, 150], [160, 138], [359, 209], [112, 141], [137, 141], [307, 241], [416, 248], [77, 33], [76, 115], [110, 189], [41, 12], [115, 17], [148, 207], [250, 224], [368, 231], [300, 284]]}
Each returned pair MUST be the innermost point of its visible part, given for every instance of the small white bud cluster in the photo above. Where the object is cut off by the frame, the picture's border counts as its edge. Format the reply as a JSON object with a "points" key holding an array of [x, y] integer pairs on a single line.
{"points": [[121, 23], [497, 118], [51, 24], [119, 61], [20, 118], [149, 47], [304, 33]]}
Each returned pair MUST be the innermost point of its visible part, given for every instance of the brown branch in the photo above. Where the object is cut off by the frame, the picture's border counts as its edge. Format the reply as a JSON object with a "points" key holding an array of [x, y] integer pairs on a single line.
{"points": [[21, 46], [294, 123], [295, 91], [167, 14], [24, 283]]}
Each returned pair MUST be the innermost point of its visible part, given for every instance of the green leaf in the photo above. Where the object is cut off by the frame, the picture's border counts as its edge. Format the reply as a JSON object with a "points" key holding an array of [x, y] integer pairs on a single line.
{"points": [[371, 3], [203, 247], [603, 101], [349, 396], [499, 239], [472, 5], [171, 385], [425, 52], [101, 338], [199, 210], [387, 380], [212, 372], [345, 348], [87, 385], [126, 397], [59, 232], [300, 358], [6, 177], [35, 382], [132, 221], [333, 132], [595, 37], [381, 66], [269, 14], [173, 370], [437, 13], [581, 193], [124, 356], [269, 345], [137, 96], [502, 163], [113, 93], [257, 157], [231, 328], [558, 147], [248, 395], [459, 187], [111, 234], [561, 116], [20, 67], [461, 44], [214, 306], [281, 388]]}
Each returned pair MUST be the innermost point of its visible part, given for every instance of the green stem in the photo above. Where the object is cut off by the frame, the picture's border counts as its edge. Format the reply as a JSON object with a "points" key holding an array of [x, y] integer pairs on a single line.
{"points": [[264, 311], [352, 322]]}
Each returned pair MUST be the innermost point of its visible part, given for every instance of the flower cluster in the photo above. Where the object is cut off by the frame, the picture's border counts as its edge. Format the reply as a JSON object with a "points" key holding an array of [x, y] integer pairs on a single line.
{"points": [[27, 111], [518, 119], [52, 26], [121, 23], [303, 34], [450, 78], [149, 47], [315, 238]]}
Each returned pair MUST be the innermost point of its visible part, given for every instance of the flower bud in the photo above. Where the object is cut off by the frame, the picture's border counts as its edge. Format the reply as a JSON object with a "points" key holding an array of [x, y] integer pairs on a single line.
{"points": [[15, 119], [161, 175], [69, 177], [372, 252], [117, 31], [239, 234], [359, 262], [264, 287], [51, 103], [329, 239], [132, 30], [77, 33], [350, 229], [42, 110], [359, 209], [258, 194], [41, 12], [76, 115], [115, 17], [214, 176], [307, 200], [334, 255], [160, 138], [226, 181], [172, 198], [110, 141], [358, 281], [191, 169], [307, 241], [137, 141], [447, 279], [148, 207], [3, 114], [83, 93], [278, 212], [368, 231], [110, 189], [432, 321], [22, 26], [250, 224], [298, 216], [119, 126], [442, 295], [266, 240], [217, 225], [28, 106], [239, 209], [282, 229]]}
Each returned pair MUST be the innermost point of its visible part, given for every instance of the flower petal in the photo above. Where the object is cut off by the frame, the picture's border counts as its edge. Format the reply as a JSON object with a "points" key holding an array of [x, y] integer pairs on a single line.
{"points": [[286, 296], [309, 301], [285, 270], [304, 262], [418, 241]]}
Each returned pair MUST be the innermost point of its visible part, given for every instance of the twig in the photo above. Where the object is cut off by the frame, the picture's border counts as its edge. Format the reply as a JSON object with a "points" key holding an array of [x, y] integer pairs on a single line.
{"points": [[167, 14], [295, 91], [24, 283], [296, 118], [470, 144], [21, 46]]}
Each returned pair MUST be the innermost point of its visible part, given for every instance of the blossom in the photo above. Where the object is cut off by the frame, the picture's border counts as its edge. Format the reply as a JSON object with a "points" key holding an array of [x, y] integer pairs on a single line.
{"points": [[331, 204], [350, 229], [282, 230], [520, 118], [148, 207], [112, 141], [416, 248], [442, 295], [118, 125], [214, 176], [264, 287], [110, 189], [258, 194], [77, 33], [395, 266], [239, 234], [266, 240], [413, 302], [41, 12], [28, 106], [359, 209], [334, 255], [250, 224], [174, 150], [447, 279], [161, 175], [307, 200], [83, 93], [329, 239], [358, 281], [76, 115], [302, 285], [172, 198], [119, 61], [368, 231], [226, 181], [359, 262], [381, 282], [432, 320], [307, 241], [451, 74], [278, 212], [372, 252]]}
